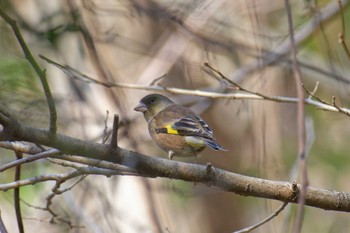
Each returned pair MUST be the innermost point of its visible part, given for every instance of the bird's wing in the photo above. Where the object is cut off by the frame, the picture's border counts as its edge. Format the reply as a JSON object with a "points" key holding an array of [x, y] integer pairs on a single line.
{"points": [[192, 126], [182, 121]]}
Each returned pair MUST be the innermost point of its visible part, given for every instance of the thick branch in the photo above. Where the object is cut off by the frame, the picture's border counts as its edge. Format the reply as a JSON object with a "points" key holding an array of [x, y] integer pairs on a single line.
{"points": [[157, 167]]}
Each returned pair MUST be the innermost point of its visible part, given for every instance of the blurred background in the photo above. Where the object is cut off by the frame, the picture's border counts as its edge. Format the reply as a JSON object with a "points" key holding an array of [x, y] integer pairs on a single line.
{"points": [[135, 42]]}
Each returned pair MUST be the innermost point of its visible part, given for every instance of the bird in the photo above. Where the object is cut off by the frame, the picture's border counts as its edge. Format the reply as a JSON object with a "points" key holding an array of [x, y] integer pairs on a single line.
{"points": [[175, 128]]}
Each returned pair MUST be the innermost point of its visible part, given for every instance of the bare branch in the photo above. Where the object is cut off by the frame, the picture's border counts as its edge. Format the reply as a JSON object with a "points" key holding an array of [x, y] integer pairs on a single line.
{"points": [[274, 214], [60, 177], [239, 87], [42, 75], [114, 141], [28, 159], [16, 196], [312, 93], [57, 191], [105, 134], [125, 162], [24, 147], [337, 107], [282, 50], [341, 35], [322, 105], [156, 80]]}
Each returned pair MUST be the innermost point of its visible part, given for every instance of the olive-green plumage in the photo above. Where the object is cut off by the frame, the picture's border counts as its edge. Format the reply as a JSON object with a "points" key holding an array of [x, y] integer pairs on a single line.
{"points": [[175, 128]]}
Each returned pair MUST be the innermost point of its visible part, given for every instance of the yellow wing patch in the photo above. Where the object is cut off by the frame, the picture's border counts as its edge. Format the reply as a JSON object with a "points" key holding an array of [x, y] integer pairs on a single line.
{"points": [[171, 130]]}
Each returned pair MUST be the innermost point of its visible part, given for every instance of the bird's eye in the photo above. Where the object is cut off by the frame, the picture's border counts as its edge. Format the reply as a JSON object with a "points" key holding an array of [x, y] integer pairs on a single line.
{"points": [[152, 100]]}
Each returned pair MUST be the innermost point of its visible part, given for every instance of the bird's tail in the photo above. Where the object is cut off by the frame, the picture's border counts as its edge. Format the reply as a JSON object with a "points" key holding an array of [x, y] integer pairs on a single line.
{"points": [[213, 145]]}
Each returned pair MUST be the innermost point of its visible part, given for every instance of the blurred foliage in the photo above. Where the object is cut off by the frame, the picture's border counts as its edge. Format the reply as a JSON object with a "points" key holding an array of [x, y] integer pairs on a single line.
{"points": [[17, 77]]}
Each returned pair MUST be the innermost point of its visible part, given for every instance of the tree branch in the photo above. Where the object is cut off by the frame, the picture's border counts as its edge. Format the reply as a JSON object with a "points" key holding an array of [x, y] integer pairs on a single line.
{"points": [[31, 158], [42, 75], [16, 195], [148, 166], [341, 34], [244, 94], [274, 214], [324, 14]]}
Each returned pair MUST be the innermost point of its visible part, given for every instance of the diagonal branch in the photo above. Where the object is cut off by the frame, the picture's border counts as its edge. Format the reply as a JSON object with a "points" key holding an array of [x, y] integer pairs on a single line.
{"points": [[274, 214], [282, 50], [37, 69]]}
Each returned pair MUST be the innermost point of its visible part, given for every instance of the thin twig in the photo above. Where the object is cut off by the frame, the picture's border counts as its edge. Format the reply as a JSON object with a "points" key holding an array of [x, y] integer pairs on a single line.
{"points": [[57, 191], [59, 219], [76, 74], [274, 214], [326, 12], [67, 176], [28, 159], [105, 134], [313, 92], [337, 107], [156, 80], [73, 73], [239, 87], [65, 164], [92, 48], [42, 75], [114, 141], [341, 35], [16, 195]]}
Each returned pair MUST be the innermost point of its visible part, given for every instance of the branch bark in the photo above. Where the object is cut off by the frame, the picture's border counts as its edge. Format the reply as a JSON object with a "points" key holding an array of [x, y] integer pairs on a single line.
{"points": [[147, 166]]}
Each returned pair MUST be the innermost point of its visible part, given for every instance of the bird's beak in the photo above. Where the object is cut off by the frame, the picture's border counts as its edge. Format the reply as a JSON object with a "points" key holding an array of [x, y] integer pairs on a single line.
{"points": [[141, 107]]}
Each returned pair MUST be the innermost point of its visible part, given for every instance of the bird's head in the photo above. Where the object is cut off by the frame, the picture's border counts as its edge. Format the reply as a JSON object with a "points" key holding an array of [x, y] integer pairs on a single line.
{"points": [[152, 104]]}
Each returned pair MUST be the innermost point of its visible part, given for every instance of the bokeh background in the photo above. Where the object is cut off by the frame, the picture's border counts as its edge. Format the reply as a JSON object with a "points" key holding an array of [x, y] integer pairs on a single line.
{"points": [[135, 42]]}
